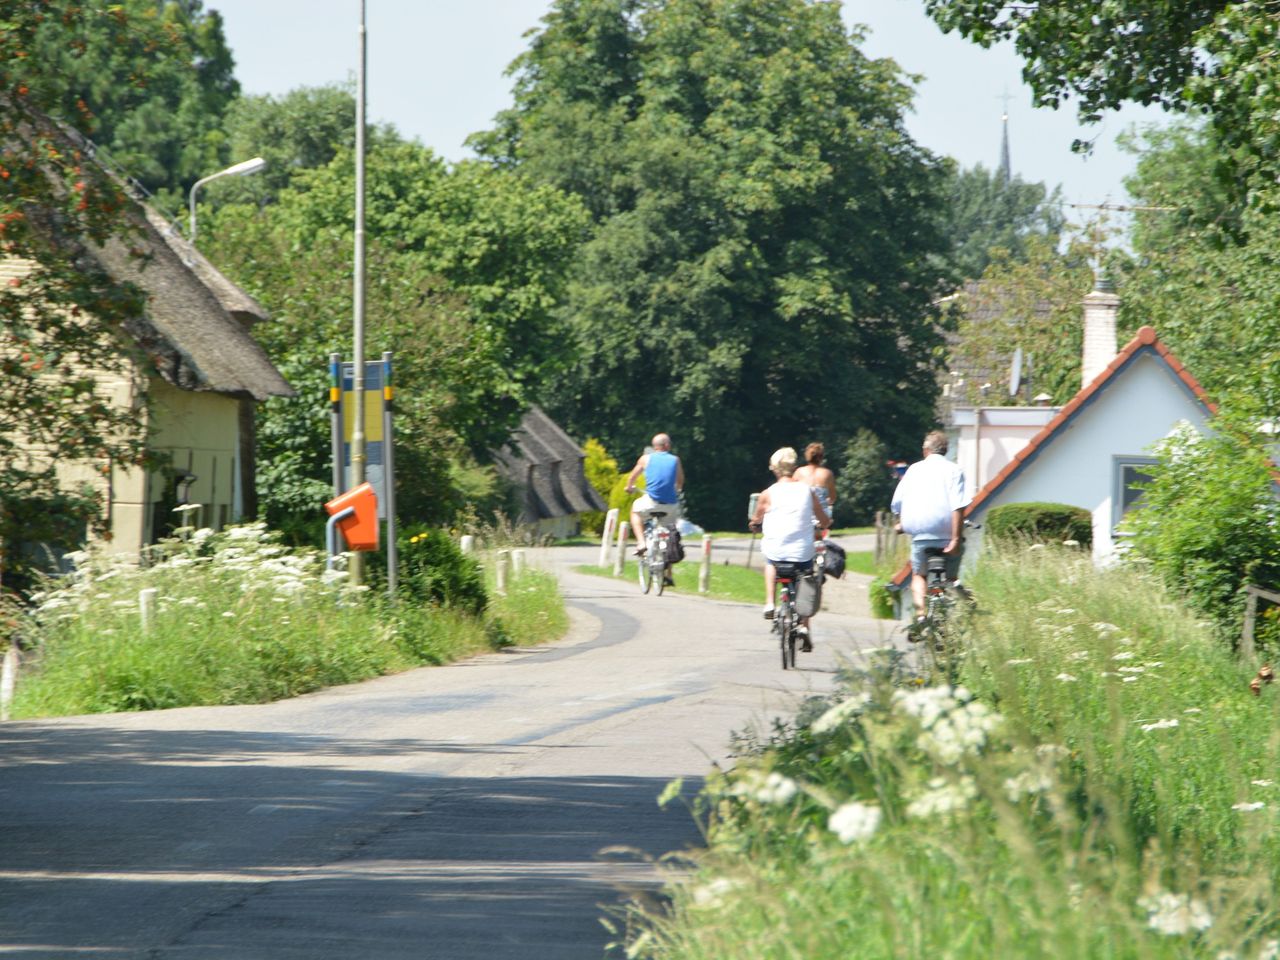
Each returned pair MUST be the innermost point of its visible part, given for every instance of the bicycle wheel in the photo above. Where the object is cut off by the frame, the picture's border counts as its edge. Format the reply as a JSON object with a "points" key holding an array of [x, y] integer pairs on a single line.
{"points": [[659, 569], [786, 619], [646, 573]]}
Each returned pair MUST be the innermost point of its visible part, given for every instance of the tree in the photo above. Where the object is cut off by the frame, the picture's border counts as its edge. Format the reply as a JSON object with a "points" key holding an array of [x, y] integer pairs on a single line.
{"points": [[156, 103], [1210, 56], [988, 212], [766, 245], [1033, 304], [863, 482], [1204, 270], [464, 265]]}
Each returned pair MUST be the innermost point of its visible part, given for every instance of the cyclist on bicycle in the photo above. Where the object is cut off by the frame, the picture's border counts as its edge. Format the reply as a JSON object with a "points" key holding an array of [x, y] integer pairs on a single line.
{"points": [[930, 501], [819, 477], [786, 513], [663, 481]]}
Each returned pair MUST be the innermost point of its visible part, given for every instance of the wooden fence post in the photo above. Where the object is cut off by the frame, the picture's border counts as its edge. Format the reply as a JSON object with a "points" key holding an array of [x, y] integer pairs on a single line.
{"points": [[501, 568], [704, 570], [620, 559]]}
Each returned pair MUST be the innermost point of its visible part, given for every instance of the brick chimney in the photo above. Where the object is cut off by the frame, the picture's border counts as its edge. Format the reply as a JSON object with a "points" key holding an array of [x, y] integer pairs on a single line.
{"points": [[1100, 307]]}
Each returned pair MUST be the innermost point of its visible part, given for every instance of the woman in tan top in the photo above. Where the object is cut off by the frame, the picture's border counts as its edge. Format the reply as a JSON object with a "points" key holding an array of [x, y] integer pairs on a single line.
{"points": [[817, 476]]}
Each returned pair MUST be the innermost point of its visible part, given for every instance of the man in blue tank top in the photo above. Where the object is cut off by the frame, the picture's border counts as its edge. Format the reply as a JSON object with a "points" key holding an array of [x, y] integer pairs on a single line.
{"points": [[663, 481]]}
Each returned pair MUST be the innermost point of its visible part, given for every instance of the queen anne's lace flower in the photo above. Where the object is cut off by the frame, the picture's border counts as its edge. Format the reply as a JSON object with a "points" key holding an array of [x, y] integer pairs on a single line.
{"points": [[1066, 678], [1246, 807], [837, 715], [1175, 914], [854, 822], [1161, 724], [942, 798]]}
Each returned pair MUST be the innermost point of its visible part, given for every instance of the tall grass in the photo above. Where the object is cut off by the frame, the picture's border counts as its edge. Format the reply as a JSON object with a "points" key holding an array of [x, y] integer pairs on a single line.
{"points": [[239, 618], [1101, 784]]}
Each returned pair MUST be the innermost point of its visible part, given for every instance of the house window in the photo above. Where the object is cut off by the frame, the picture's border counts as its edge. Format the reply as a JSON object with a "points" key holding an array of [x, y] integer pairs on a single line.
{"points": [[1129, 473]]}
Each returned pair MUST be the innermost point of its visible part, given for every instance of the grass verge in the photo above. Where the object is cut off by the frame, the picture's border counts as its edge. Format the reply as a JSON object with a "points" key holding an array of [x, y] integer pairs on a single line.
{"points": [[1101, 784], [741, 584], [236, 617]]}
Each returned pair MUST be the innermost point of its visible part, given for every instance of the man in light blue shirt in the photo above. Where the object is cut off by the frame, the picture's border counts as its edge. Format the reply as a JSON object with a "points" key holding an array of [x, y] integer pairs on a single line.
{"points": [[930, 501], [663, 481]]}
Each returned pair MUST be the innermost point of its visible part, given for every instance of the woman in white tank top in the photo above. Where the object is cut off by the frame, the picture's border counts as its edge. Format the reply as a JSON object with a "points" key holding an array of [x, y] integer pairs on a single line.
{"points": [[785, 514]]}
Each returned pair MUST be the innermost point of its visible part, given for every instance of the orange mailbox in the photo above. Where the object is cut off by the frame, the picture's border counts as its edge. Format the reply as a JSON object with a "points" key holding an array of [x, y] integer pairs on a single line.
{"points": [[359, 529]]}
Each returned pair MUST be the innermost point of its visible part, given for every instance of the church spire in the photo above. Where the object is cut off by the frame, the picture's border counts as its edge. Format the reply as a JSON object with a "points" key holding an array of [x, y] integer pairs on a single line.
{"points": [[1006, 169], [1006, 173]]}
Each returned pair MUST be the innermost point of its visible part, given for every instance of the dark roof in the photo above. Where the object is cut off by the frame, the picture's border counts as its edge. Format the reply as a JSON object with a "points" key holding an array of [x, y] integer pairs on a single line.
{"points": [[1145, 343], [194, 328], [544, 462]]}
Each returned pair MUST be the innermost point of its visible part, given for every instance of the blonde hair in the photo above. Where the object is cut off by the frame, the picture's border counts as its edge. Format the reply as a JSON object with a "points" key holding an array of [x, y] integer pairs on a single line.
{"points": [[783, 461]]}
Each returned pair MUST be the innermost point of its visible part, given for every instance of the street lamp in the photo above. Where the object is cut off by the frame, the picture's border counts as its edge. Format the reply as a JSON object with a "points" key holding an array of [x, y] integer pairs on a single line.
{"points": [[238, 170]]}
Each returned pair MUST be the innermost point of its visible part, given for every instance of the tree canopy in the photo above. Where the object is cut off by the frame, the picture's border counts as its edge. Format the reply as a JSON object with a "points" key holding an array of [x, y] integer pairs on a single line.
{"points": [[987, 211], [766, 243]]}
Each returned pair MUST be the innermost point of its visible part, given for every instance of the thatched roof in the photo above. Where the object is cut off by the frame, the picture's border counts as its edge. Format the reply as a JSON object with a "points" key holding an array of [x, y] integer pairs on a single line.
{"points": [[195, 325], [547, 466]]}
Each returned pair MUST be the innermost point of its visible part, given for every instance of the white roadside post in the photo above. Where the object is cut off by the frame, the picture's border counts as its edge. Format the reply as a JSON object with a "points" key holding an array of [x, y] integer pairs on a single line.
{"points": [[606, 536], [467, 543], [147, 606], [621, 558], [8, 680], [517, 562], [500, 571], [704, 569]]}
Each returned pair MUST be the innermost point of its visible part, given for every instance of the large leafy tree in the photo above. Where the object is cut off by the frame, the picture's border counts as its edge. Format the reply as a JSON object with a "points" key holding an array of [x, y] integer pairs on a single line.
{"points": [[989, 211], [1210, 56], [157, 106], [766, 244], [465, 265]]}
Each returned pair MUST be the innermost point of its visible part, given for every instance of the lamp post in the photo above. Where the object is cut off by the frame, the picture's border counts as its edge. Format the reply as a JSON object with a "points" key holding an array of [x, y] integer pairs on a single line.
{"points": [[238, 170]]}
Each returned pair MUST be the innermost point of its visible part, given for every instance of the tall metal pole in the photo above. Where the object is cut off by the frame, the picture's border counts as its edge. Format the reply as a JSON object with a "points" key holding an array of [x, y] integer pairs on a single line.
{"points": [[358, 457]]}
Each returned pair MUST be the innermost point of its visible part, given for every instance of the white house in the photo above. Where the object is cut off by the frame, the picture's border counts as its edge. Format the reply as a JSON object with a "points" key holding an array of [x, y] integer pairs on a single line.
{"points": [[1090, 452]]}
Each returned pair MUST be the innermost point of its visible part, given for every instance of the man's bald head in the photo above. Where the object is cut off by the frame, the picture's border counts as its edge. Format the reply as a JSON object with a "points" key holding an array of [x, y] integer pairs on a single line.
{"points": [[662, 442]]}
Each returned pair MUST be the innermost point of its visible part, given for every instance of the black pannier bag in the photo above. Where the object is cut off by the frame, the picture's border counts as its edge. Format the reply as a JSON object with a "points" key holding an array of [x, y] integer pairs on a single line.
{"points": [[675, 547], [833, 565]]}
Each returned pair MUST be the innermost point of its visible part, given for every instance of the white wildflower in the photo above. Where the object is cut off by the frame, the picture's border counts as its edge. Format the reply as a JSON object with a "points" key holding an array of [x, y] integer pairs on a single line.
{"points": [[187, 601], [201, 535], [1123, 655], [1105, 628], [1051, 751], [1129, 680], [1036, 546], [1193, 710], [227, 613], [1175, 914], [1154, 664], [1071, 543], [1065, 612], [1246, 807], [249, 531], [1027, 783], [1133, 670], [1018, 661], [122, 603], [776, 789], [1262, 783], [1079, 655], [710, 895], [1161, 724], [942, 798], [837, 715], [1066, 678], [186, 508], [1270, 950], [962, 730], [854, 822]]}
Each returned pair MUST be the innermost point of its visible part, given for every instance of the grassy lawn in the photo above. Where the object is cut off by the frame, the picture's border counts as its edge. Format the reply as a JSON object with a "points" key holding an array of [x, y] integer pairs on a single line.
{"points": [[742, 584]]}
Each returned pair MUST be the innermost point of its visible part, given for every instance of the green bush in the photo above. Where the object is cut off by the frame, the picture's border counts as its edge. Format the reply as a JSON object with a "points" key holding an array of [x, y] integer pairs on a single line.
{"points": [[435, 571], [863, 482], [881, 599], [1040, 523]]}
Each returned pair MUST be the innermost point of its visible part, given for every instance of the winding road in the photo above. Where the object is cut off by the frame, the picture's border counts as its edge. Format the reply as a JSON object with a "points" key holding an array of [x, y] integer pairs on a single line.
{"points": [[496, 808]]}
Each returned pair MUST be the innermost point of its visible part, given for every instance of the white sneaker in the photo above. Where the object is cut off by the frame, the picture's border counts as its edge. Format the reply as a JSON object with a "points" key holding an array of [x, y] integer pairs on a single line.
{"points": [[768, 612]]}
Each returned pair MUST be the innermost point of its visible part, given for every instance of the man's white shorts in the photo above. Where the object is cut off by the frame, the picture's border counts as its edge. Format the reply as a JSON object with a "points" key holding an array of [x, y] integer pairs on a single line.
{"points": [[645, 506]]}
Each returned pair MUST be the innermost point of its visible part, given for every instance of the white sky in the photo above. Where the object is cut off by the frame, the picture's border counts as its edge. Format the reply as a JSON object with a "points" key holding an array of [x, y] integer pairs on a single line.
{"points": [[436, 71]]}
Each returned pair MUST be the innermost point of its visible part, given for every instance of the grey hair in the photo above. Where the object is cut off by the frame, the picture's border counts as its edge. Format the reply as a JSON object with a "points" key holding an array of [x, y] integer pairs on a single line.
{"points": [[935, 441]]}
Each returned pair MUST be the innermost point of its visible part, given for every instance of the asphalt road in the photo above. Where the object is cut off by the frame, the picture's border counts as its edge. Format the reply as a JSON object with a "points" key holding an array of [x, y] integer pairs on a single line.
{"points": [[492, 809]]}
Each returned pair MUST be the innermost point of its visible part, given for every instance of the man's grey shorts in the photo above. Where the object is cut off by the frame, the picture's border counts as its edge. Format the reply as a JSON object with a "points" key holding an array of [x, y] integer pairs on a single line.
{"points": [[918, 548]]}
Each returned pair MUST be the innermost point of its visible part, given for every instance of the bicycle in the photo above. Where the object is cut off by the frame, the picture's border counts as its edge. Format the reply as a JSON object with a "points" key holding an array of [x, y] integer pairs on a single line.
{"points": [[786, 618], [938, 630], [654, 565]]}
